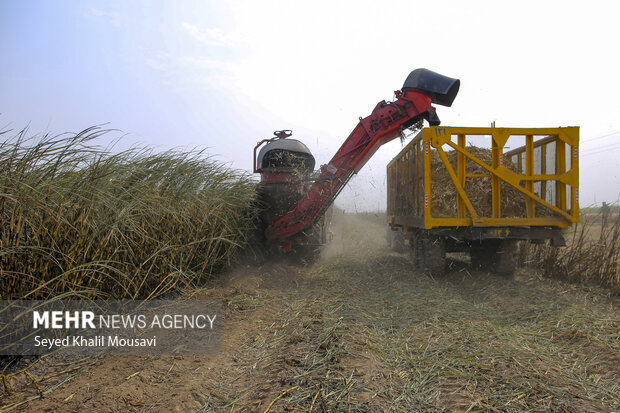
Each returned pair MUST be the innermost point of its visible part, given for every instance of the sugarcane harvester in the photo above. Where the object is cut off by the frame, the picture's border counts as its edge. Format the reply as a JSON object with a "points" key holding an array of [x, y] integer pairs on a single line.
{"points": [[295, 198]]}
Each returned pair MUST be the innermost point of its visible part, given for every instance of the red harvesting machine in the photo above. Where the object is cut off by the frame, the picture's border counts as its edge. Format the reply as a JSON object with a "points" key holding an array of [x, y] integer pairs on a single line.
{"points": [[296, 199]]}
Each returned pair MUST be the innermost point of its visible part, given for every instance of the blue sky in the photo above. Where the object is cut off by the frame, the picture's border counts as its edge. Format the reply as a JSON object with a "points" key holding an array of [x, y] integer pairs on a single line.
{"points": [[227, 74], [68, 65]]}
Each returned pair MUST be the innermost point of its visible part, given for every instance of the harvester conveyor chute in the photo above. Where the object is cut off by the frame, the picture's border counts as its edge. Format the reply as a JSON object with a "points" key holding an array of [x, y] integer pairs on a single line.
{"points": [[387, 120]]}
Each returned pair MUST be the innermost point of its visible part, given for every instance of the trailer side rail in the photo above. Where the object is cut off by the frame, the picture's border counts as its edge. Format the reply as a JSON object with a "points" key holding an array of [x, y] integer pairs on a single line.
{"points": [[544, 170]]}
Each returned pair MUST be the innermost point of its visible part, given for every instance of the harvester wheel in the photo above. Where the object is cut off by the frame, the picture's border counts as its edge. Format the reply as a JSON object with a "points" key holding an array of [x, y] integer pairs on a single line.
{"points": [[307, 254], [308, 244], [434, 256]]}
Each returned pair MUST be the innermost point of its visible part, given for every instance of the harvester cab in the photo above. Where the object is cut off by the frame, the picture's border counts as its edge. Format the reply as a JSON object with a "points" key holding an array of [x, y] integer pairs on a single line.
{"points": [[296, 198]]}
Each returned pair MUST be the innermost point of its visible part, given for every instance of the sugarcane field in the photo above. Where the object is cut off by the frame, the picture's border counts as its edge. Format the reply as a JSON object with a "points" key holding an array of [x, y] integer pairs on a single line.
{"points": [[238, 207]]}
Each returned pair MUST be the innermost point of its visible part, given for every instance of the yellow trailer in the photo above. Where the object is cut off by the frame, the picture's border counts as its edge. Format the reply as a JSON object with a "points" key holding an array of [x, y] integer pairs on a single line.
{"points": [[526, 188]]}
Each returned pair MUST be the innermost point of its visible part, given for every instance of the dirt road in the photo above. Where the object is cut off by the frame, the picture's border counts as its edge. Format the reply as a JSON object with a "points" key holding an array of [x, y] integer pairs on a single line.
{"points": [[362, 331]]}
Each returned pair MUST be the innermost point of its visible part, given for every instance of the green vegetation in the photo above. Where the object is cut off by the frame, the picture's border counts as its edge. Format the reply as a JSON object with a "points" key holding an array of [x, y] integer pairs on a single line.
{"points": [[80, 220]]}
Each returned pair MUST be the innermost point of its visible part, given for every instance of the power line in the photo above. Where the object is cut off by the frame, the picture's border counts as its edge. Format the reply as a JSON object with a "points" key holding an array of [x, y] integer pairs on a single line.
{"points": [[601, 137], [600, 151], [612, 145]]}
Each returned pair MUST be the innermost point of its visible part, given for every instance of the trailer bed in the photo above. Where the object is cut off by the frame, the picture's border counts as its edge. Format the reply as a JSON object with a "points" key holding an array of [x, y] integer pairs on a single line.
{"points": [[527, 188]]}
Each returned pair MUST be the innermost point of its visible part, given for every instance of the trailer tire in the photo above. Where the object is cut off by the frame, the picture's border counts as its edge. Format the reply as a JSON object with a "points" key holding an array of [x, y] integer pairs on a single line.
{"points": [[481, 257], [495, 256], [416, 251], [398, 241], [434, 256], [506, 257]]}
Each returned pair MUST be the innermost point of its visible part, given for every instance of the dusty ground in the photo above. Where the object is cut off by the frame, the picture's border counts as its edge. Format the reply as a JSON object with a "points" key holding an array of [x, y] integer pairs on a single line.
{"points": [[362, 331]]}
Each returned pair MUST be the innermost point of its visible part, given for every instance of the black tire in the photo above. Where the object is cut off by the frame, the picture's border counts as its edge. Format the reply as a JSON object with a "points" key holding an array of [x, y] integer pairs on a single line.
{"points": [[481, 256], [416, 251], [396, 240], [308, 244], [506, 258], [306, 254], [434, 256], [495, 256]]}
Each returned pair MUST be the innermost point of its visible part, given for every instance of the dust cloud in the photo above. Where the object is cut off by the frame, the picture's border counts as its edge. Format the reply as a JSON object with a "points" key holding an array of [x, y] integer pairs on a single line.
{"points": [[355, 234]]}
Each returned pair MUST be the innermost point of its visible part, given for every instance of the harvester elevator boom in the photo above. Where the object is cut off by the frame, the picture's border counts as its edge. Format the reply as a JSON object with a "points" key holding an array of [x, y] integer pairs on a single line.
{"points": [[386, 122]]}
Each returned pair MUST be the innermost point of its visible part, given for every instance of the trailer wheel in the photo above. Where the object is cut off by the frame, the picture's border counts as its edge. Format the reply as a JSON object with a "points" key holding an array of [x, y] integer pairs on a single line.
{"points": [[496, 256], [416, 251], [506, 257], [398, 241], [481, 257], [434, 256]]}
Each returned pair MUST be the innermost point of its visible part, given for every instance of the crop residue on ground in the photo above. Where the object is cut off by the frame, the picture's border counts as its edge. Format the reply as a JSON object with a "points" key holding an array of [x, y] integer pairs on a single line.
{"points": [[362, 331]]}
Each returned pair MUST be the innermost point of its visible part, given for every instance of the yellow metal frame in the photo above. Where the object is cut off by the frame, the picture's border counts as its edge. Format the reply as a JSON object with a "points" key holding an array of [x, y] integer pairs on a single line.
{"points": [[440, 137]]}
